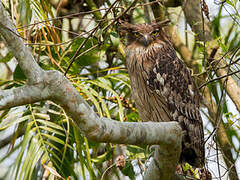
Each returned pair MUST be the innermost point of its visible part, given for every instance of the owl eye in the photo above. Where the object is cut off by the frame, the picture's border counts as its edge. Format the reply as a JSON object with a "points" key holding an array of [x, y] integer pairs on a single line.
{"points": [[154, 33], [136, 34]]}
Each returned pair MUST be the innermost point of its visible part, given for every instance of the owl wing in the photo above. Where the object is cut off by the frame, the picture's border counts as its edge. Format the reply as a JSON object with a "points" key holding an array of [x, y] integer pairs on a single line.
{"points": [[171, 80]]}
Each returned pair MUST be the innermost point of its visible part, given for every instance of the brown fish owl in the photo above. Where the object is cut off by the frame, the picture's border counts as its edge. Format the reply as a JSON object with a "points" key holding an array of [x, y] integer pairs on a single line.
{"points": [[162, 86]]}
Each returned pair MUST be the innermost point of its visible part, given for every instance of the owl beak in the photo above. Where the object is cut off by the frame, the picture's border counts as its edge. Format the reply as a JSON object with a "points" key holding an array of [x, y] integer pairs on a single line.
{"points": [[146, 40]]}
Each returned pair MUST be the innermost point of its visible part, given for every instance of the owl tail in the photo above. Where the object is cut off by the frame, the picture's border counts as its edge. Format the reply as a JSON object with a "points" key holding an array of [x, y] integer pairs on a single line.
{"points": [[193, 151]]}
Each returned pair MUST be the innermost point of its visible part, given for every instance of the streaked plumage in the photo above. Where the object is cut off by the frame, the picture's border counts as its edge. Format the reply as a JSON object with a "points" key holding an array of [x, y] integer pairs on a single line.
{"points": [[162, 86]]}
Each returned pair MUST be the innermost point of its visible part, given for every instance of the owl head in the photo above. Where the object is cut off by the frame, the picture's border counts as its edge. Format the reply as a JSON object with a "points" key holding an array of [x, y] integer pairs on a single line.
{"points": [[143, 34]]}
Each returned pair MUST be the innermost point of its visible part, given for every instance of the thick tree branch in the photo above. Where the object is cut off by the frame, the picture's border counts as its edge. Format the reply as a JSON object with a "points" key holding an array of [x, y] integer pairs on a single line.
{"points": [[19, 50], [57, 88], [23, 95], [154, 171], [192, 12], [54, 86]]}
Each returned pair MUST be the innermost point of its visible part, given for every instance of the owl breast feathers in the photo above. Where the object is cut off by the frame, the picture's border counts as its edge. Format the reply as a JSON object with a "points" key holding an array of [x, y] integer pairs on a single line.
{"points": [[162, 86]]}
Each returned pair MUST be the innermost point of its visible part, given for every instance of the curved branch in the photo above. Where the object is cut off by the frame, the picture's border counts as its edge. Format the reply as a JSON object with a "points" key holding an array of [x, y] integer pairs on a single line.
{"points": [[19, 50], [104, 130], [58, 89], [54, 86]]}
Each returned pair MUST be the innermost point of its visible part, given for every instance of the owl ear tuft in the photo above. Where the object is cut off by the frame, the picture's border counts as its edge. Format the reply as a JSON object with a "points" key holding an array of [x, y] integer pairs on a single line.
{"points": [[125, 27], [161, 24]]}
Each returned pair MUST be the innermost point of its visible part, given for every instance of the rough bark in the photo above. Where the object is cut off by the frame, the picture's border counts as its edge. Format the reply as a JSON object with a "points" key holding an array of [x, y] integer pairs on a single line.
{"points": [[155, 169], [192, 12]]}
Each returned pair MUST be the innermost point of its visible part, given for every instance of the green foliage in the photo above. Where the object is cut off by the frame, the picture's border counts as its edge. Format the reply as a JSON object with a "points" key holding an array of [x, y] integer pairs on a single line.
{"points": [[7, 58], [44, 139], [90, 58], [128, 170], [25, 11], [18, 74]]}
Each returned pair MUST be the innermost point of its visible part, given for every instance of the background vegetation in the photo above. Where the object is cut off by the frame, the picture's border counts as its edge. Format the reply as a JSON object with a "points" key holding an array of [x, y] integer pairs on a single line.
{"points": [[80, 38]]}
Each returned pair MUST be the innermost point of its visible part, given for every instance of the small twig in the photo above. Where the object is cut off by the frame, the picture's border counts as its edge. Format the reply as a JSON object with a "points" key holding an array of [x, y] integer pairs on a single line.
{"points": [[218, 164], [85, 40], [59, 44], [218, 78], [102, 178], [62, 17], [204, 41]]}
